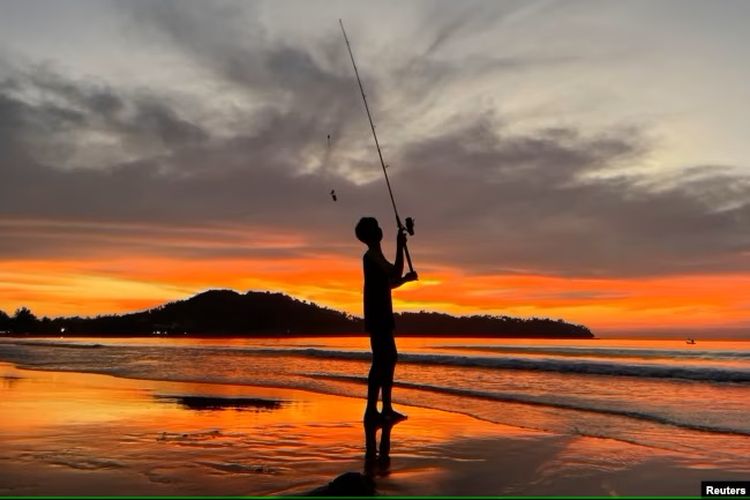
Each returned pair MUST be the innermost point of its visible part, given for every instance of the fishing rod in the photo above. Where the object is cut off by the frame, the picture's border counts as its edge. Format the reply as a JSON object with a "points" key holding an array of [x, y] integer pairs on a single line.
{"points": [[409, 226]]}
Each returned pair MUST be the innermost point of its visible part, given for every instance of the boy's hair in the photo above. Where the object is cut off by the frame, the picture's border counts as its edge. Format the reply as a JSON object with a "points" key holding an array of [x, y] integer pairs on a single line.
{"points": [[366, 229]]}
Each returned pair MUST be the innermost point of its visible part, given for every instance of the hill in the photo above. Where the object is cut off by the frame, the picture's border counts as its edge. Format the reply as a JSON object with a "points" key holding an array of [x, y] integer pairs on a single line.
{"points": [[229, 313]]}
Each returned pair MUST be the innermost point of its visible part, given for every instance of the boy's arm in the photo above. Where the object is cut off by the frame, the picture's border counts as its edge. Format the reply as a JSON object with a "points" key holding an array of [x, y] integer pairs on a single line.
{"points": [[396, 278], [385, 267], [410, 276], [394, 271], [398, 265]]}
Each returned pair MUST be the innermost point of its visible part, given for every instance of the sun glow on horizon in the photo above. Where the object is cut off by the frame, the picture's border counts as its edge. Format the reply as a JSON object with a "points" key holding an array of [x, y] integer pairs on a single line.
{"points": [[92, 287]]}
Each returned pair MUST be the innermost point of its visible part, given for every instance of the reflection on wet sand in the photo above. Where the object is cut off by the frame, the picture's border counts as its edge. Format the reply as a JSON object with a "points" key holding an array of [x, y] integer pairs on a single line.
{"points": [[9, 381], [378, 460], [223, 403], [54, 425], [377, 464]]}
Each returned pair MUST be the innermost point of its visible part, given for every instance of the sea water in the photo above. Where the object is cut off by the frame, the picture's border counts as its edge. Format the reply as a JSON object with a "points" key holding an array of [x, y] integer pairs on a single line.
{"points": [[665, 394]]}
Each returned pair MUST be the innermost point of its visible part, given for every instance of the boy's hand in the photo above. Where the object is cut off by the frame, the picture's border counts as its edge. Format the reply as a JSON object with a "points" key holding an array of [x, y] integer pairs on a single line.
{"points": [[410, 276], [401, 237]]}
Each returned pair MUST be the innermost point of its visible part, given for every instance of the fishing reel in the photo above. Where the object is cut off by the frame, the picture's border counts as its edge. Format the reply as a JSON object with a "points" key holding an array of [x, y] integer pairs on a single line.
{"points": [[409, 226]]}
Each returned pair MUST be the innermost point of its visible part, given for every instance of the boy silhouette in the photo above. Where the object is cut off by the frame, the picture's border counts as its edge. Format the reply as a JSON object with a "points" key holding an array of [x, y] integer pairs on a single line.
{"points": [[380, 277]]}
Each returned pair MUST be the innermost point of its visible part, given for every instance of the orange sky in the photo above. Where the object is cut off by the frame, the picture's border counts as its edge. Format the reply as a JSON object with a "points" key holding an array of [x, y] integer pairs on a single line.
{"points": [[147, 157], [117, 284]]}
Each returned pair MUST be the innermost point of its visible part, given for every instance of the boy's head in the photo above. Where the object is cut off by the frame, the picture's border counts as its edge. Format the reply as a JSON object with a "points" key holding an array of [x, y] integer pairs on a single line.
{"points": [[368, 231]]}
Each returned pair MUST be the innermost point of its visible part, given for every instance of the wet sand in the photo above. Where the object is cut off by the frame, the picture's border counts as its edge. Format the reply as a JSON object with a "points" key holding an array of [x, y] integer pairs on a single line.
{"points": [[66, 433]]}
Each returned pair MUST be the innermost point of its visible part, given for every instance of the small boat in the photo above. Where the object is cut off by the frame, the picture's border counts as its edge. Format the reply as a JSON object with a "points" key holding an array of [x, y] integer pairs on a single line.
{"points": [[690, 341]]}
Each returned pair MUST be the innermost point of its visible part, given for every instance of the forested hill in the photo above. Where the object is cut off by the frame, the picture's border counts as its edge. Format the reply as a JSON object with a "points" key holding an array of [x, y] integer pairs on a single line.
{"points": [[228, 313]]}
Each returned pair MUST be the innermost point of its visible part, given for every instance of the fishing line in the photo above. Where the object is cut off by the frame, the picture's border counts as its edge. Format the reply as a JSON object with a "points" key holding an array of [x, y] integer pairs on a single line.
{"points": [[409, 226]]}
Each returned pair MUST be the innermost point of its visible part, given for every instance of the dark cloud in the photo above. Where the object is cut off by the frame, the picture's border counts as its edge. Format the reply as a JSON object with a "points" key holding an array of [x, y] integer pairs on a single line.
{"points": [[485, 199], [450, 20], [528, 203], [252, 179], [68, 123], [313, 81]]}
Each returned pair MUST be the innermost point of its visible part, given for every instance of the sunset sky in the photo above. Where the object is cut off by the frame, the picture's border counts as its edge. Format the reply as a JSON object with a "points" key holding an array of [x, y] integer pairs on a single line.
{"points": [[584, 160]]}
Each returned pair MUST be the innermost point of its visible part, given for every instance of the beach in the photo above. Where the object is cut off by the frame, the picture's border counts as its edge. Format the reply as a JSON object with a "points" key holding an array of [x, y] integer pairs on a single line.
{"points": [[239, 239], [75, 434], [67, 432]]}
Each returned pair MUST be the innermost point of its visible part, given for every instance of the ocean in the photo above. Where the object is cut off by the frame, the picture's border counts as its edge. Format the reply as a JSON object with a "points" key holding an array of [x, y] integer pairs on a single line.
{"points": [[663, 394]]}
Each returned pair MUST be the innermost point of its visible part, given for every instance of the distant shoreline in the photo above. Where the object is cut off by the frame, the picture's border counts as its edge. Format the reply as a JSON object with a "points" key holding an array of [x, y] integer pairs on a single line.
{"points": [[280, 336], [225, 313]]}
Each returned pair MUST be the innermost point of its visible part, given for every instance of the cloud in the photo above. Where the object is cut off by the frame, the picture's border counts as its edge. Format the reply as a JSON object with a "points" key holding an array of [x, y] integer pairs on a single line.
{"points": [[97, 157], [526, 203], [73, 124], [257, 180], [228, 41], [449, 21]]}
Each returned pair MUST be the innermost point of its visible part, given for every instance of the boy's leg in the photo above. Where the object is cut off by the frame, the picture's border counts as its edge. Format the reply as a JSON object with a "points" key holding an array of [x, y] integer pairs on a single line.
{"points": [[390, 356], [375, 377], [374, 382], [388, 388]]}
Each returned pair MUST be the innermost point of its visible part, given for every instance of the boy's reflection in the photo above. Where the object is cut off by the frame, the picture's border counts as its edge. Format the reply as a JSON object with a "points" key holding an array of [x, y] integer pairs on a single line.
{"points": [[378, 461]]}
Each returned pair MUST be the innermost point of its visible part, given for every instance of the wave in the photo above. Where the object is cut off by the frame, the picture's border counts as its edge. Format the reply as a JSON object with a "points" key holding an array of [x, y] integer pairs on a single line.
{"points": [[548, 364], [540, 401], [585, 367], [299, 384], [620, 352], [50, 343]]}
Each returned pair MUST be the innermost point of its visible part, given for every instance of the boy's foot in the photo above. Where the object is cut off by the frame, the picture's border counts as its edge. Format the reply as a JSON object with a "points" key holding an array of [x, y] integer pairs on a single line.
{"points": [[392, 416]]}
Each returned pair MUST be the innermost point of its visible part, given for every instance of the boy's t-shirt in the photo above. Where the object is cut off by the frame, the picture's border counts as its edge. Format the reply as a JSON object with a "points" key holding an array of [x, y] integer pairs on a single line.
{"points": [[377, 292]]}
